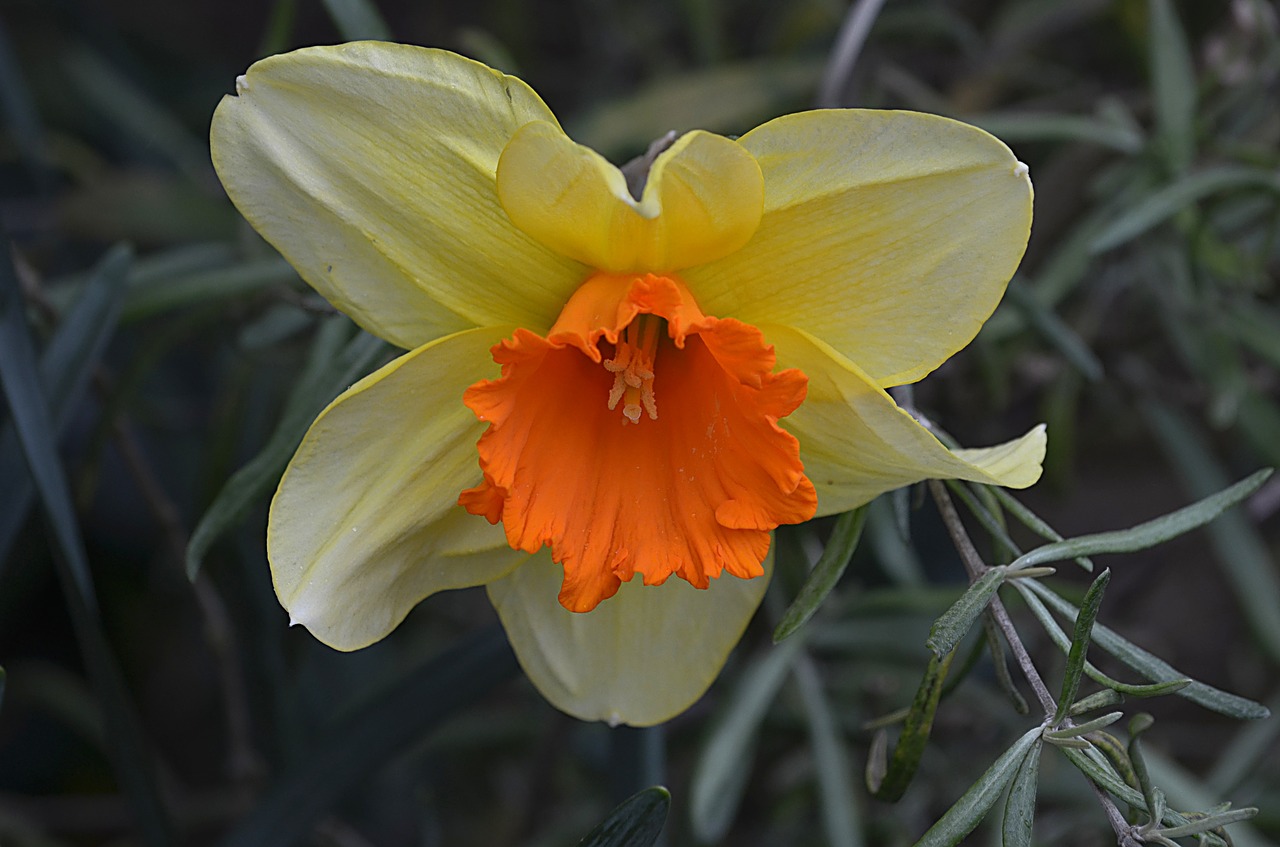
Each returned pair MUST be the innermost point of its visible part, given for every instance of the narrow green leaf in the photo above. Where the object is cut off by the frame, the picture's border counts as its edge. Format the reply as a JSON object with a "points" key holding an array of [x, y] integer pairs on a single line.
{"points": [[947, 630], [635, 822], [1173, 80], [32, 420], [1150, 666], [719, 777], [1020, 808], [831, 760], [1095, 766], [1139, 724], [1209, 822], [65, 367], [1147, 534], [915, 733], [1249, 565], [328, 372], [390, 723], [358, 20], [1159, 206], [1080, 643], [969, 810], [1054, 330], [825, 574]]}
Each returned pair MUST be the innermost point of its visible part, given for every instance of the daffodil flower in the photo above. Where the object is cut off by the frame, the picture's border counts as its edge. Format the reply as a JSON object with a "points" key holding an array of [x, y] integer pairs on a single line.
{"points": [[685, 364]]}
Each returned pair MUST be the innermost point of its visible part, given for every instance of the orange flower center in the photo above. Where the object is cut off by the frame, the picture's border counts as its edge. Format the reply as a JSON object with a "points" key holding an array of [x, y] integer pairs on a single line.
{"points": [[693, 492]]}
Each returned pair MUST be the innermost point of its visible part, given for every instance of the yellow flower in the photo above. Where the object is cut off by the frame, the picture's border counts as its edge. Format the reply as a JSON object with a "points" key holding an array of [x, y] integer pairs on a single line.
{"points": [[641, 422]]}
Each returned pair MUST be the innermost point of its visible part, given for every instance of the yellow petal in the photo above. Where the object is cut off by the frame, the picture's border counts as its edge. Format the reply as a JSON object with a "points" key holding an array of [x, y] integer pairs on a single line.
{"points": [[889, 235], [365, 523], [642, 656], [371, 166], [702, 200], [856, 443]]}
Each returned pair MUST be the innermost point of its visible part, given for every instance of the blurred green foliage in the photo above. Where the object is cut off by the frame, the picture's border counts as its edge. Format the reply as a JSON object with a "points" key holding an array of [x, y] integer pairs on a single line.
{"points": [[171, 362]]}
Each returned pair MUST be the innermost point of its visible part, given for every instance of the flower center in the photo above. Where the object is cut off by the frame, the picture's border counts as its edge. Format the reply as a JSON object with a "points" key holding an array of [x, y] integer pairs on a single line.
{"points": [[632, 369], [703, 486]]}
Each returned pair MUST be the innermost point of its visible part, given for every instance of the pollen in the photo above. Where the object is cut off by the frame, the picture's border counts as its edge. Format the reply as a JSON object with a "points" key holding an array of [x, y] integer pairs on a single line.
{"points": [[632, 369]]}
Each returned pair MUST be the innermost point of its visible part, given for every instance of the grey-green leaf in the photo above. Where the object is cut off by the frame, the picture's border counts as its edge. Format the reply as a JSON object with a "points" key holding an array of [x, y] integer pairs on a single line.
{"points": [[1153, 667], [970, 809], [1020, 808], [948, 629], [1147, 534], [1080, 643]]}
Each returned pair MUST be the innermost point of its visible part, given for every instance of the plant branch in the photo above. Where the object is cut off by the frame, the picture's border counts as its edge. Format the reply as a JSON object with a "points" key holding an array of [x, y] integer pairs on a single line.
{"points": [[976, 567]]}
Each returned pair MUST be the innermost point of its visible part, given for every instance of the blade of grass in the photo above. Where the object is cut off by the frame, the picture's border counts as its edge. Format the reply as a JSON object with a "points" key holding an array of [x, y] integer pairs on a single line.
{"points": [[719, 777], [391, 722], [126, 105], [1054, 330], [328, 373], [1160, 205], [64, 370], [831, 760], [34, 425], [1173, 81], [635, 822]]}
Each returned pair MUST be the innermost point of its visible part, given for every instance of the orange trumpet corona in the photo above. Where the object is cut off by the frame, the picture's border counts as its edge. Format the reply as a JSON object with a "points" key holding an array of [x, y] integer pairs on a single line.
{"points": [[691, 490]]}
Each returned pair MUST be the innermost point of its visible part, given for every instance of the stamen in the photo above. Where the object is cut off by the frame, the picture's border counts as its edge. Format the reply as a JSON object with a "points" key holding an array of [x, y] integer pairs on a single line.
{"points": [[632, 369]]}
